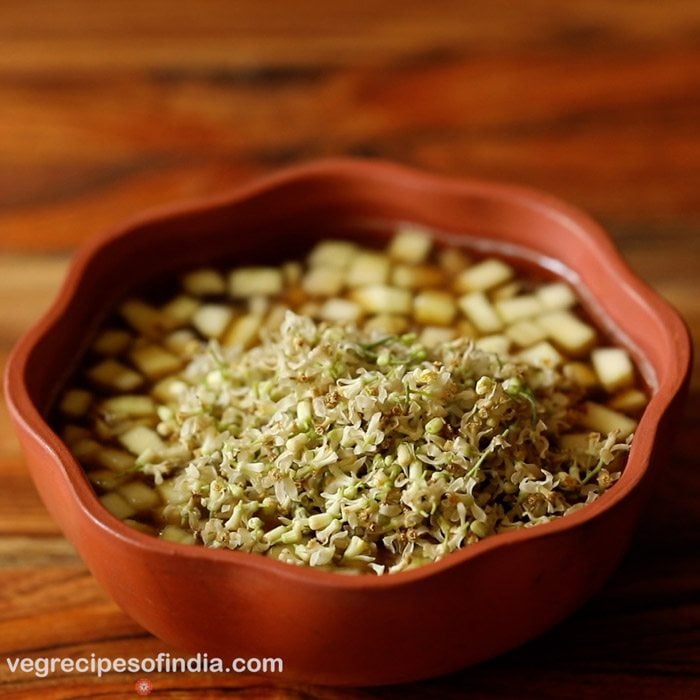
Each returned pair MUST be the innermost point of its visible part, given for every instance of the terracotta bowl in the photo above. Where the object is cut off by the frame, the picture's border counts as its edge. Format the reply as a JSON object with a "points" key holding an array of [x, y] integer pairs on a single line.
{"points": [[329, 628]]}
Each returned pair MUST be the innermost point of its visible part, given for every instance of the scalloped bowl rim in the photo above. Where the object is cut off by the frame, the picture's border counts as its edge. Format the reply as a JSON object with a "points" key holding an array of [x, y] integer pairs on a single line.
{"points": [[27, 414]]}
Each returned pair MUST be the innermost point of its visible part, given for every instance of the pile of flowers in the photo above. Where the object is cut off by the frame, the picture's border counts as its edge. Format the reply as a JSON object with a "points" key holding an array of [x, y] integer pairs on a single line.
{"points": [[330, 447]]}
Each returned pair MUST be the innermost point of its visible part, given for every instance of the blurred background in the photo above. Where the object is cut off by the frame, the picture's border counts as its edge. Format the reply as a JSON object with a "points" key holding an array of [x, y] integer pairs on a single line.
{"points": [[110, 107]]}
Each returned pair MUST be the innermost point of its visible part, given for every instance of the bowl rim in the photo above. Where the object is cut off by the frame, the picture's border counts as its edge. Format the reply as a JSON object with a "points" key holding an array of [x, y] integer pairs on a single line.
{"points": [[27, 416]]}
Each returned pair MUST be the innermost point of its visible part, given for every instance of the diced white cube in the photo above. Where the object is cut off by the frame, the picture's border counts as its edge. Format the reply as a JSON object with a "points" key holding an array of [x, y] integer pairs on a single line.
{"points": [[336, 254], [173, 533], [243, 331], [575, 442], [383, 299], [367, 268], [605, 420], [580, 373], [505, 291], [275, 316], [568, 331], [386, 323], [496, 343], [434, 307], [180, 309], [182, 342], [117, 505], [479, 310], [106, 479], [139, 496], [340, 310], [525, 333], [114, 375], [485, 275], [111, 458], [167, 390], [518, 307], [75, 403], [155, 361], [323, 281], [432, 336], [417, 276], [170, 493], [141, 438], [556, 296], [145, 318], [204, 282], [453, 260], [630, 401], [613, 367], [112, 341], [541, 354], [130, 405], [211, 320], [255, 281], [411, 244]]}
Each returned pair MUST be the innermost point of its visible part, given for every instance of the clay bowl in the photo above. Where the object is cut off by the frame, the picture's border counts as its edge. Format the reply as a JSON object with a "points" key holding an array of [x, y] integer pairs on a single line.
{"points": [[329, 628]]}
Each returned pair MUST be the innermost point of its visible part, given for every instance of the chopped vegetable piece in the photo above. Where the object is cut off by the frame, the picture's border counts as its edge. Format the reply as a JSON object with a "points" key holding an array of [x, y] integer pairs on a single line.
{"points": [[581, 373], [629, 401], [254, 281], [117, 505], [243, 332], [613, 367], [478, 309], [556, 296], [410, 244], [140, 438], [417, 276], [211, 320], [568, 331], [605, 420], [368, 268], [323, 281], [75, 403], [114, 375], [130, 405], [382, 299], [518, 307], [145, 318], [434, 308], [335, 254], [340, 310], [484, 275], [155, 361], [526, 332], [180, 309], [112, 341], [204, 282], [541, 354]]}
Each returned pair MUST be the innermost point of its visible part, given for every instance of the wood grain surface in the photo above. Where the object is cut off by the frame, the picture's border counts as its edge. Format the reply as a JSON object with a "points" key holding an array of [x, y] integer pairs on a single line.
{"points": [[108, 108]]}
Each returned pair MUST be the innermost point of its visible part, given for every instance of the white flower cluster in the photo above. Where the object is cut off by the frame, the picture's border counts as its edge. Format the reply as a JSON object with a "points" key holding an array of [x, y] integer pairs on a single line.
{"points": [[330, 447]]}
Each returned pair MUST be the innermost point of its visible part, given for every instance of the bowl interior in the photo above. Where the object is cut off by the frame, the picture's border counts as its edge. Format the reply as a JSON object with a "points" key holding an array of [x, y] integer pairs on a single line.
{"points": [[278, 218]]}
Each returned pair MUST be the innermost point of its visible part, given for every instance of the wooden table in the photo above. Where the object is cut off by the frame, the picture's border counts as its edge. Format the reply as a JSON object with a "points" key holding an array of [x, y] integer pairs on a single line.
{"points": [[110, 107]]}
